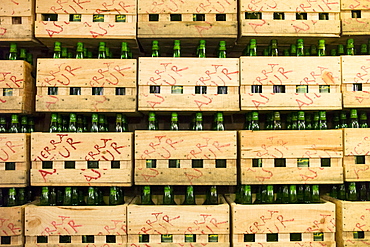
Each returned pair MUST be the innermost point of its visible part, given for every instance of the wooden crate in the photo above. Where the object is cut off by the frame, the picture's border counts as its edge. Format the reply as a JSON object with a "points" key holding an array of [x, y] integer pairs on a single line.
{"points": [[113, 151], [209, 146], [17, 21], [290, 72], [86, 74], [187, 29], [188, 73], [356, 157], [16, 75], [354, 72], [15, 148], [282, 219], [86, 30], [102, 222], [355, 16], [178, 220], [273, 148], [351, 217], [12, 225], [290, 26]]}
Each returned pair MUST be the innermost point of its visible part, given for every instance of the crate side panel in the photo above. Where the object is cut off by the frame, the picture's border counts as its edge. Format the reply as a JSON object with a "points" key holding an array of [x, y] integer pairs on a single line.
{"points": [[356, 141], [12, 219], [354, 69], [16, 8], [191, 6], [354, 4], [15, 147], [289, 6]]}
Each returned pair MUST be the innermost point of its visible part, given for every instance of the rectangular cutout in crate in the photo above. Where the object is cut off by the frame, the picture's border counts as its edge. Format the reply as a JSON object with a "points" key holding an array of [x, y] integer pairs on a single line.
{"points": [[14, 165], [72, 225], [352, 222], [356, 157], [187, 19], [99, 85], [289, 18], [355, 16], [300, 157], [12, 226], [282, 224], [81, 159], [204, 222], [199, 157], [17, 87], [17, 21], [290, 83], [189, 84], [356, 81], [85, 21]]}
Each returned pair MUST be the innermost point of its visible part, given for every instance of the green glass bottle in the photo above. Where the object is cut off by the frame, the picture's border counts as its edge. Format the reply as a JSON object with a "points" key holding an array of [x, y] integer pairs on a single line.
{"points": [[350, 47], [352, 192], [279, 195], [75, 197], [277, 121], [246, 194], [44, 198], [79, 125], [334, 191], [343, 119], [286, 53], [12, 197], [362, 192], [124, 51], [340, 50], [119, 127], [212, 196], [336, 121], [263, 193], [253, 48], [202, 49], [23, 54], [321, 51], [52, 196], [101, 53], [14, 124], [353, 122], [315, 193], [31, 125], [91, 199], [57, 50], [219, 122], [114, 198], [363, 120], [333, 52], [301, 121], [72, 127], [189, 196], [174, 125], [13, 52], [285, 198], [152, 123], [101, 123], [176, 48], [80, 50], [168, 196], [248, 119], [67, 200], [266, 52], [255, 122], [300, 193], [270, 194], [289, 121], [313, 50], [64, 53], [222, 50], [274, 48], [300, 48], [342, 195], [269, 121], [294, 121], [198, 126], [24, 125], [363, 50], [3, 128], [307, 51], [309, 121], [21, 196], [293, 50], [155, 48], [323, 125], [293, 194], [146, 196], [94, 123]]}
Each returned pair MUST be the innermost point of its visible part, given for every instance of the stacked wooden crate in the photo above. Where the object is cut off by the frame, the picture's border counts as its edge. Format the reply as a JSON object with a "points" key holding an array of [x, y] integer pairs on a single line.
{"points": [[355, 15]]}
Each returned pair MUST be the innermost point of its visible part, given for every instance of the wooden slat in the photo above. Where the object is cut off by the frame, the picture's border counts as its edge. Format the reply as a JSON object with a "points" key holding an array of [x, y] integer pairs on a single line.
{"points": [[356, 141], [290, 6], [76, 241], [94, 73], [15, 147], [356, 99], [189, 71], [353, 26], [14, 74], [283, 218], [191, 6], [79, 30], [92, 7], [16, 8], [75, 220], [12, 221], [179, 219], [354, 4], [86, 103], [354, 69], [291, 144], [202, 240], [287, 244], [81, 146], [81, 177], [185, 145], [16, 178]]}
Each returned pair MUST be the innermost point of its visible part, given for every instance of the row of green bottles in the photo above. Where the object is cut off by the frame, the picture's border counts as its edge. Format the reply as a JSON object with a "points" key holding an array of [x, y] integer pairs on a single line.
{"points": [[200, 52], [169, 197], [22, 54], [10, 197], [298, 49], [26, 125], [83, 52], [281, 194], [80, 196], [79, 123], [340, 120], [359, 191]]}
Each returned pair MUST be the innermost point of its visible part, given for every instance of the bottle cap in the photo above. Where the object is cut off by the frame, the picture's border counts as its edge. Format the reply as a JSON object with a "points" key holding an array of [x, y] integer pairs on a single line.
{"points": [[364, 48], [13, 47], [124, 46], [353, 113], [24, 120], [301, 115], [198, 116], [80, 47], [72, 117], [363, 116], [94, 117], [101, 46], [15, 118], [321, 44], [277, 116], [255, 115], [322, 115]]}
